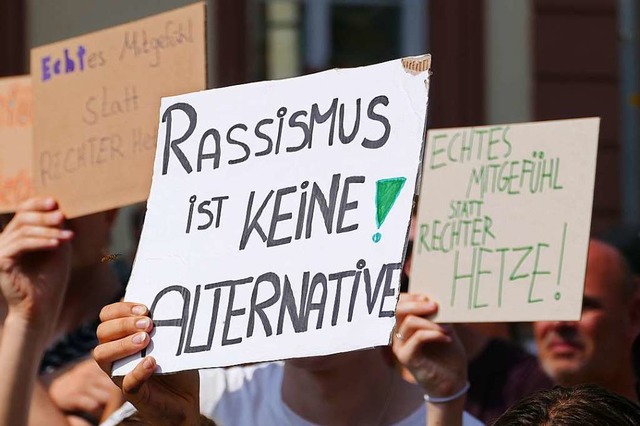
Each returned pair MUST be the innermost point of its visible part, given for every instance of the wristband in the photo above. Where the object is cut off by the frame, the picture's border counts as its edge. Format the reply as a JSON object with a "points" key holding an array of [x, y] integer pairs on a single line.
{"points": [[441, 400]]}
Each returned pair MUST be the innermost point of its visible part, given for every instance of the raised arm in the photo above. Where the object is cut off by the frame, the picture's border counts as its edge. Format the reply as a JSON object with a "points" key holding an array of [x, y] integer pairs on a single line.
{"points": [[34, 269], [435, 357]]}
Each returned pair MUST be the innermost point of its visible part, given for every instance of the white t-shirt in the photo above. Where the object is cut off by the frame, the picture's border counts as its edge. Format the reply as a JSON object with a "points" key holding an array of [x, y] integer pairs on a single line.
{"points": [[251, 396]]}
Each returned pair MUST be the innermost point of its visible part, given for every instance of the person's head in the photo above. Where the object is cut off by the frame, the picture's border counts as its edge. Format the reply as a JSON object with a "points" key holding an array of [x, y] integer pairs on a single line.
{"points": [[577, 406], [597, 348]]}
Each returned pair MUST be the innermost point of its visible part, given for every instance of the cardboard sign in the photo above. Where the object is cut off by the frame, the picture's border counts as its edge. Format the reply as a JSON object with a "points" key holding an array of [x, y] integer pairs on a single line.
{"points": [[278, 216], [96, 106], [503, 221], [16, 119]]}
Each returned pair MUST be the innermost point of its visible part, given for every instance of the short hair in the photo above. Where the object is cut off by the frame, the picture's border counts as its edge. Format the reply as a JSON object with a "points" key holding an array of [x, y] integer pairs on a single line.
{"points": [[575, 406]]}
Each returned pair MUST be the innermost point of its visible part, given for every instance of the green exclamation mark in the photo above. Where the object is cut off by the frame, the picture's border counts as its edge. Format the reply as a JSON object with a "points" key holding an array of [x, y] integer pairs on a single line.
{"points": [[387, 191]]}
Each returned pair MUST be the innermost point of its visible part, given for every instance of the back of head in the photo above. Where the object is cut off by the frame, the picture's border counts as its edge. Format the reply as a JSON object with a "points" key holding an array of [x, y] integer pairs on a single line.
{"points": [[576, 406]]}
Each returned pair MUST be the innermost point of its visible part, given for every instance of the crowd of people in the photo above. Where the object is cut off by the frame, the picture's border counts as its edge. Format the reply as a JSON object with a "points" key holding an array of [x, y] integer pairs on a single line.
{"points": [[64, 324]]}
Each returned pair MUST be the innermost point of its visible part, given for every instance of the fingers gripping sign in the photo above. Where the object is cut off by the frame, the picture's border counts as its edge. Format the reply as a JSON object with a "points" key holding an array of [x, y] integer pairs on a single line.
{"points": [[34, 270], [123, 331], [162, 399], [34, 261], [432, 352]]}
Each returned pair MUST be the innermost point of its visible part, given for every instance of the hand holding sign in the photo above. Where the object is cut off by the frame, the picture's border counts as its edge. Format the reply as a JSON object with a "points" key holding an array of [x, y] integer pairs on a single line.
{"points": [[34, 263], [34, 269], [168, 399], [432, 352]]}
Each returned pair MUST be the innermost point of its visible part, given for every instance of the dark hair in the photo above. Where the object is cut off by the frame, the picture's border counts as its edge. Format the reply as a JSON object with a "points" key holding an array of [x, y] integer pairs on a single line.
{"points": [[576, 406]]}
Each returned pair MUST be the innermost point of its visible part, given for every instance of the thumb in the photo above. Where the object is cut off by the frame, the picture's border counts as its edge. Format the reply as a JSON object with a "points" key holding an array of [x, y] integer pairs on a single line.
{"points": [[134, 385]]}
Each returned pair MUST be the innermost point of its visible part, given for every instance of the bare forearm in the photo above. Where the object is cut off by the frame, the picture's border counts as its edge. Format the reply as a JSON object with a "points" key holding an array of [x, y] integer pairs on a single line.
{"points": [[446, 414], [21, 347], [23, 400]]}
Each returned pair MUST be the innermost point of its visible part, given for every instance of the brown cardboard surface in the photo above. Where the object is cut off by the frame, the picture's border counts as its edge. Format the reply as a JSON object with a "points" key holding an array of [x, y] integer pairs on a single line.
{"points": [[16, 119], [416, 64], [96, 103]]}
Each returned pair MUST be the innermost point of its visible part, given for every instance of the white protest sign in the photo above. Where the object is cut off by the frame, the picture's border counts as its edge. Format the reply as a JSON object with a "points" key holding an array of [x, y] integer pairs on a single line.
{"points": [[504, 218], [278, 216]]}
